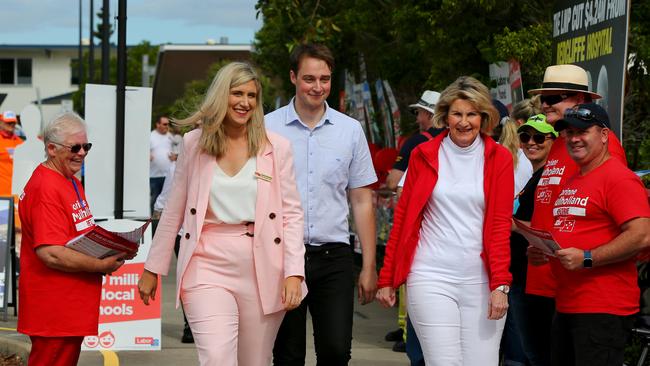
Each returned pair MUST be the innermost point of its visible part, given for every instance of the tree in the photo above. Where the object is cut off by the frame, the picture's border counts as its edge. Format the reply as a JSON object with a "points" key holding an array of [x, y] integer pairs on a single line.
{"points": [[636, 118], [414, 44], [133, 72], [195, 91], [100, 24]]}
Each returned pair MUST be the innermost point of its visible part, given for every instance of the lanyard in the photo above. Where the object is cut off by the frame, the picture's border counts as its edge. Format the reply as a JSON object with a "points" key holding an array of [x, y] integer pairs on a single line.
{"points": [[76, 190]]}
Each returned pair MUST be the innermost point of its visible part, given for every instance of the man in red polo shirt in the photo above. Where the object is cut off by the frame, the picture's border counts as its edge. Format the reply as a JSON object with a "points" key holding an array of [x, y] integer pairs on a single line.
{"points": [[601, 220]]}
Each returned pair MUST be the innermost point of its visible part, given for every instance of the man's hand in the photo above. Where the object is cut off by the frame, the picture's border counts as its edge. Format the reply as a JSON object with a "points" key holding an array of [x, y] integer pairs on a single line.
{"points": [[367, 285], [571, 258], [147, 286], [386, 296]]}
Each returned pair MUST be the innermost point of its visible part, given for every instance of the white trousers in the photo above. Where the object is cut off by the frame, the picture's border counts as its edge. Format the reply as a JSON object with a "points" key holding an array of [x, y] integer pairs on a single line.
{"points": [[452, 325]]}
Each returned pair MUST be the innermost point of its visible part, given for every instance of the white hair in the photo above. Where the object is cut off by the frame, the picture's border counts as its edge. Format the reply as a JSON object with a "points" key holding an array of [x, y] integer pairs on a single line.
{"points": [[61, 126]]}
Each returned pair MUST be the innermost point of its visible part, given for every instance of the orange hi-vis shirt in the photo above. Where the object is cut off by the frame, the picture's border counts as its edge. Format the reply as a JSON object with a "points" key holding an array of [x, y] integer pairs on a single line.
{"points": [[7, 147]]}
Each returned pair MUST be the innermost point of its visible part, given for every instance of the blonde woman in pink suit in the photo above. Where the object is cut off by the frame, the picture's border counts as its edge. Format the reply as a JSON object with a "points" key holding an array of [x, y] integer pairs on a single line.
{"points": [[241, 260]]}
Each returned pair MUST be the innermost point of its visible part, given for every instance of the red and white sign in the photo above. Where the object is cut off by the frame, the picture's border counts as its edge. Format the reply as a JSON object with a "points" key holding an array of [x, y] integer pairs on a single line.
{"points": [[125, 323]]}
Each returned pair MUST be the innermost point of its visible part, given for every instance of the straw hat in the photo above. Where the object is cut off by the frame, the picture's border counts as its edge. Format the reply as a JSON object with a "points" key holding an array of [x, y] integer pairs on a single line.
{"points": [[565, 78]]}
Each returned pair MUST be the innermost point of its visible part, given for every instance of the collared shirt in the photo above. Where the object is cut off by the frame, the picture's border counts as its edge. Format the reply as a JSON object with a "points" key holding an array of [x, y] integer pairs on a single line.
{"points": [[329, 160]]}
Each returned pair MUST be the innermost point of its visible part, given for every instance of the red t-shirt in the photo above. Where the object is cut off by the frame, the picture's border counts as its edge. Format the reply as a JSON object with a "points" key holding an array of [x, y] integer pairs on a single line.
{"points": [[588, 213], [52, 302], [559, 165], [7, 147]]}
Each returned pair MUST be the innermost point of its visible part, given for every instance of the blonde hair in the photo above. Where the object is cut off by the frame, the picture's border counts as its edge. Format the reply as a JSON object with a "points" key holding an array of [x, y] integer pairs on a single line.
{"points": [[473, 91], [526, 109], [510, 139], [212, 111]]}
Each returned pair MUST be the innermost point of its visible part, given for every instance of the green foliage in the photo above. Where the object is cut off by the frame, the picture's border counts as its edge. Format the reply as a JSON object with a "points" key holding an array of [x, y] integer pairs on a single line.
{"points": [[133, 70], [636, 118], [195, 91], [414, 44], [426, 44], [530, 46], [98, 32]]}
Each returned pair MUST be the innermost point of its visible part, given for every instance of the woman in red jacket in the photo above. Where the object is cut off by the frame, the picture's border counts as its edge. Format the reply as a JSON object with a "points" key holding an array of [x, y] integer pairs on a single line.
{"points": [[450, 238]]}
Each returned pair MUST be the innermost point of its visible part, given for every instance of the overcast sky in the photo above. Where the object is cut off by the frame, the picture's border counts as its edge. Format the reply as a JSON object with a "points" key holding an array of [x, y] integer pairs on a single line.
{"points": [[158, 21]]}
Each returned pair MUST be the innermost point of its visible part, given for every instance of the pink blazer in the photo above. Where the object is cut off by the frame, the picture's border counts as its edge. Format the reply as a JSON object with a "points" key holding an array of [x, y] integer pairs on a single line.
{"points": [[278, 247]]}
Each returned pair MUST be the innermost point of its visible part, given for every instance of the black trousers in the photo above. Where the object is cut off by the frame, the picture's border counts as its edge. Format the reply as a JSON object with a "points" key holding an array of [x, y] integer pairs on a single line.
{"points": [[329, 275], [589, 339], [534, 316]]}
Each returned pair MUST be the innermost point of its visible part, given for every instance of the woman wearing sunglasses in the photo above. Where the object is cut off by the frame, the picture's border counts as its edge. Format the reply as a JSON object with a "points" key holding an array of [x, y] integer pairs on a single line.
{"points": [[241, 259], [449, 241], [536, 138], [60, 288]]}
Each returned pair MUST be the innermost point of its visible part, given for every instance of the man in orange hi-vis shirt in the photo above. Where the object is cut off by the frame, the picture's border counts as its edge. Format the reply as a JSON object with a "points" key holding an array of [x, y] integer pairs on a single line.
{"points": [[8, 142]]}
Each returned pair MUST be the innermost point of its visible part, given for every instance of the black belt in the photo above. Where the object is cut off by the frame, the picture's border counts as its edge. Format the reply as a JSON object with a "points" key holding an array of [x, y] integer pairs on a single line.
{"points": [[309, 248]]}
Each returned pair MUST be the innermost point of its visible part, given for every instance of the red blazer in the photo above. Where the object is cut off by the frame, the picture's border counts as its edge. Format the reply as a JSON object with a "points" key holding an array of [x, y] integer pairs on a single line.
{"points": [[498, 183]]}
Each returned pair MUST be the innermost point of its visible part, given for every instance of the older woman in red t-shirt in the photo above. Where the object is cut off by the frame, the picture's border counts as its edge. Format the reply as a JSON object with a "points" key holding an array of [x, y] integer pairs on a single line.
{"points": [[60, 288]]}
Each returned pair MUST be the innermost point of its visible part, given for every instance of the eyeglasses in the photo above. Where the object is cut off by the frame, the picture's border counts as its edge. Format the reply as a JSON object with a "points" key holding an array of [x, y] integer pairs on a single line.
{"points": [[77, 147], [554, 98], [538, 138]]}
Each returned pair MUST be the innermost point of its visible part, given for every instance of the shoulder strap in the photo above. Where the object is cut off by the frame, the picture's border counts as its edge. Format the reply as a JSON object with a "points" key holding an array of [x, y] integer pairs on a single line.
{"points": [[427, 135]]}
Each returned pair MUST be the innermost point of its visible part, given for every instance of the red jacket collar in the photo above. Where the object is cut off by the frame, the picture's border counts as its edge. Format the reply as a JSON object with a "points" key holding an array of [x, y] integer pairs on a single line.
{"points": [[430, 149]]}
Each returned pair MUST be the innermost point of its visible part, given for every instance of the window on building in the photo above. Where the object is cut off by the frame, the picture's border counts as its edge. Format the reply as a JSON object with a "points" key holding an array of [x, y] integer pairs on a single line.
{"points": [[24, 71], [16, 71], [7, 70]]}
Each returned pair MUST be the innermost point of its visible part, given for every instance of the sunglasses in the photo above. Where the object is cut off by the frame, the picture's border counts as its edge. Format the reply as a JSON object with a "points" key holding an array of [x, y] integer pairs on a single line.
{"points": [[554, 98], [583, 114], [538, 138], [77, 147]]}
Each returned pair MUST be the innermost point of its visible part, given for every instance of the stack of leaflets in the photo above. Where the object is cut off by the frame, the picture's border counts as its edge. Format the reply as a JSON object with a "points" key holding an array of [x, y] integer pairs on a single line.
{"points": [[101, 243], [538, 238]]}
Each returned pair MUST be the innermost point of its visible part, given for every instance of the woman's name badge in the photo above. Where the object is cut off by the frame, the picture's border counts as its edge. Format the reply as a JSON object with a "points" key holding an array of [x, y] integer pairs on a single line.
{"points": [[265, 177]]}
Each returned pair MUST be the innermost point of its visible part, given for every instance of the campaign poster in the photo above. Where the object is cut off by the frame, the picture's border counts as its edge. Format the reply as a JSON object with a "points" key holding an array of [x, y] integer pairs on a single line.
{"points": [[506, 77], [125, 323], [593, 35], [392, 103], [389, 138]]}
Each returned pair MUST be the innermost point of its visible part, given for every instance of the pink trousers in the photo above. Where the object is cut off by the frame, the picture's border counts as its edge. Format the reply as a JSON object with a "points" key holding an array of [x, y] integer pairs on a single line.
{"points": [[222, 302]]}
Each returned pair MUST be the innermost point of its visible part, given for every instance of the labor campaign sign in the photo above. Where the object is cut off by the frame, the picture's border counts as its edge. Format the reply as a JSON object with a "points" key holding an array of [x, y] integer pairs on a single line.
{"points": [[125, 323]]}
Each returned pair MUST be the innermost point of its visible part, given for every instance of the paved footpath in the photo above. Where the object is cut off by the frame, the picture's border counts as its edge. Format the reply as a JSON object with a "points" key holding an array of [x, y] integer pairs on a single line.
{"points": [[371, 322]]}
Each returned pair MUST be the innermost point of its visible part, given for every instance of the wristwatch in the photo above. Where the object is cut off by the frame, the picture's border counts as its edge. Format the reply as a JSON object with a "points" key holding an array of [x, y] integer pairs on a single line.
{"points": [[503, 288], [587, 262]]}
